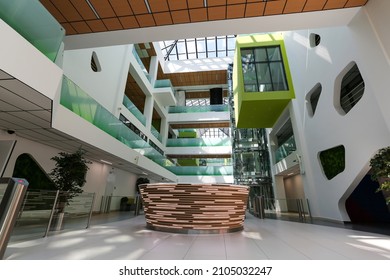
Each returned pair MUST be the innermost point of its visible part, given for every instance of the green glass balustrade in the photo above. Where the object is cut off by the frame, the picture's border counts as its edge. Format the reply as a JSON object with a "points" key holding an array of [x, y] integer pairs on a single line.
{"points": [[134, 110], [201, 170], [32, 21], [199, 142], [156, 134], [141, 64], [198, 109], [285, 149], [79, 102], [162, 83]]}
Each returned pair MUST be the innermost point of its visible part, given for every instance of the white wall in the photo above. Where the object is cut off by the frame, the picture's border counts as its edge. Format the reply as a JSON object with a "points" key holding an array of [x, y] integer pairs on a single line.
{"points": [[97, 176], [362, 131], [107, 86]]}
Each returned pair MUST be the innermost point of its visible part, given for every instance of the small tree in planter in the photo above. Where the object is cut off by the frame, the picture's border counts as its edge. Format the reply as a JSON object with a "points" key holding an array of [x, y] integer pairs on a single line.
{"points": [[380, 171], [68, 176]]}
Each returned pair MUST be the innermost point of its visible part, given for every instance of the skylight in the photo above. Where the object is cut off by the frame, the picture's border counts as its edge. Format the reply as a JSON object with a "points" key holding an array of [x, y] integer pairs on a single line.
{"points": [[198, 48]]}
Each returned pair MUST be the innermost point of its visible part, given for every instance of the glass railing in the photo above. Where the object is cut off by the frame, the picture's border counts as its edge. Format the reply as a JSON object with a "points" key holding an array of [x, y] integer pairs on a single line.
{"points": [[79, 102], [162, 83], [141, 64], [282, 209], [156, 134], [201, 170], [285, 149], [3, 187], [199, 142], [134, 110], [32, 21], [41, 213], [198, 109]]}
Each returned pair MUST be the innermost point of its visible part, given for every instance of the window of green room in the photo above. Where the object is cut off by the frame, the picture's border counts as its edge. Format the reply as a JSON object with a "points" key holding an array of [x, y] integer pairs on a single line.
{"points": [[263, 69], [333, 161]]}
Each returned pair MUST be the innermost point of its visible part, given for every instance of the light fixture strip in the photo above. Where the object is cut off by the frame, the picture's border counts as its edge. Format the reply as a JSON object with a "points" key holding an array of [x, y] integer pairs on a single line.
{"points": [[205, 3], [92, 8], [147, 6]]}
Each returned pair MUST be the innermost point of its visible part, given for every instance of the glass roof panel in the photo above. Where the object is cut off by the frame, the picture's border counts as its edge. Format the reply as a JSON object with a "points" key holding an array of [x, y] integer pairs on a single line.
{"points": [[198, 48]]}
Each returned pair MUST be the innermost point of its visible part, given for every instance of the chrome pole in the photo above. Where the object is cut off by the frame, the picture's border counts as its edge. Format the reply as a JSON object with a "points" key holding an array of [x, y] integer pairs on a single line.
{"points": [[90, 212], [53, 209]]}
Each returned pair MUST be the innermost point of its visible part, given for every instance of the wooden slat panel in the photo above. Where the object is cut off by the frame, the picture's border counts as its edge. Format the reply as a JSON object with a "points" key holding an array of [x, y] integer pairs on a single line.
{"points": [[96, 25], [81, 27], [172, 207], [211, 3], [195, 4], [103, 8], [158, 6], [177, 4], [138, 7], [355, 3], [84, 10], [163, 18], [275, 7], [236, 11], [53, 10], [129, 22], [112, 23], [180, 16], [145, 20], [67, 9], [217, 13], [254, 9], [335, 4]]}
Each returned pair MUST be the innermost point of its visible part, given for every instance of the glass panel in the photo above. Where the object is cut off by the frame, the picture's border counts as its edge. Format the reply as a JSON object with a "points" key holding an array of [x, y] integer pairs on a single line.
{"points": [[263, 73], [198, 109], [156, 134], [134, 110], [288, 209], [141, 64], [201, 170], [3, 187], [163, 83], [247, 56], [77, 211], [198, 142], [274, 53], [285, 149], [278, 77], [31, 20], [34, 215], [260, 54]]}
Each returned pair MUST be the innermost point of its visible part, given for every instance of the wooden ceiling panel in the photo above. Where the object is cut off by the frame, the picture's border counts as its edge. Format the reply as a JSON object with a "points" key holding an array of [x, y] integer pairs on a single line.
{"points": [[254, 9], [180, 16], [138, 7], [163, 18], [314, 5], [157, 6], [211, 3], [96, 25], [81, 27], [67, 10], [198, 14], [103, 8], [217, 13], [294, 6], [146, 20], [355, 3], [121, 7], [112, 24], [84, 9], [195, 4], [177, 5], [274, 7], [129, 22], [165, 12], [236, 11], [335, 4]]}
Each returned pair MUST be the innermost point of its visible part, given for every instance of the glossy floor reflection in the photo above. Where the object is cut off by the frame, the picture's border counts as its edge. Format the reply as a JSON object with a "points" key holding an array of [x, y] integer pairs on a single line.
{"points": [[261, 239]]}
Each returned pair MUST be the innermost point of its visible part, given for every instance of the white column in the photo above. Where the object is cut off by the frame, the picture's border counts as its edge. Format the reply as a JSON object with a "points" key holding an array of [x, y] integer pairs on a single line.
{"points": [[153, 69], [148, 111]]}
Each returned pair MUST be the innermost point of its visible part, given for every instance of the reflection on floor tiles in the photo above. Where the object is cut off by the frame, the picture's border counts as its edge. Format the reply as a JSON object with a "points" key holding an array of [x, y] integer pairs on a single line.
{"points": [[261, 239]]}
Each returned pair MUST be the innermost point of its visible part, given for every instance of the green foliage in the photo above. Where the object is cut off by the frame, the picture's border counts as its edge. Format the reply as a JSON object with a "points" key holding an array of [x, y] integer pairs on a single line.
{"points": [[380, 170], [26, 167], [69, 172], [333, 161]]}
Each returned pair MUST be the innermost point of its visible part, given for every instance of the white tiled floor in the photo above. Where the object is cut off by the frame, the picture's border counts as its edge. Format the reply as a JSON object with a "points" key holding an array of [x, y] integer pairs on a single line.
{"points": [[261, 239]]}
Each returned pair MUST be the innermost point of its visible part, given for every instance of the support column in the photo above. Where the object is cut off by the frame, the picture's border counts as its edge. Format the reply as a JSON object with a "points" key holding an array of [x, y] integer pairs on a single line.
{"points": [[153, 69], [164, 130], [148, 111]]}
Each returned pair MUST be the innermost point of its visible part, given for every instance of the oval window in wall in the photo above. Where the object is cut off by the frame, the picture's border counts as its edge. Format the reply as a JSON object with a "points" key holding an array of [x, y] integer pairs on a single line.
{"points": [[312, 99], [314, 39], [95, 64]]}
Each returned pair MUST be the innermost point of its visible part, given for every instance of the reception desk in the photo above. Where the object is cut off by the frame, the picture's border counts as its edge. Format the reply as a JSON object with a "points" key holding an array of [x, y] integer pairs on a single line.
{"points": [[187, 208]]}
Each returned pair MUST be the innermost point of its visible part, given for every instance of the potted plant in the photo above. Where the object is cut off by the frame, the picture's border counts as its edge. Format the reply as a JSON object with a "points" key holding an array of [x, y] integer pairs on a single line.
{"points": [[68, 177], [380, 171]]}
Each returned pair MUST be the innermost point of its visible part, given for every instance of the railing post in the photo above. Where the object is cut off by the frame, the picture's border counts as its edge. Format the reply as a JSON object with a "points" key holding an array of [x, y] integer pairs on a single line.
{"points": [[9, 209], [53, 209], [90, 212]]}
